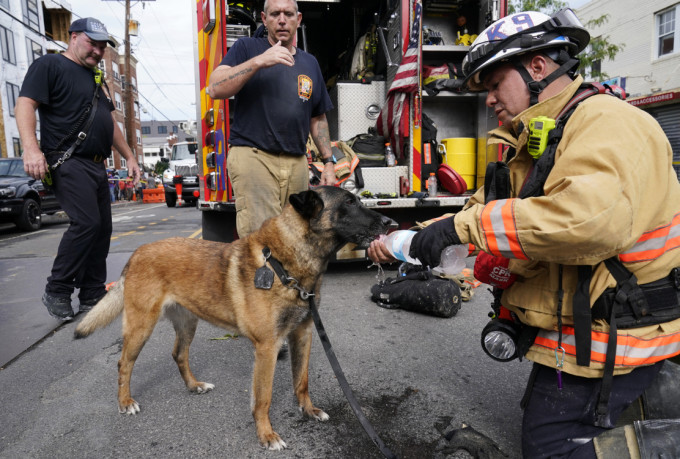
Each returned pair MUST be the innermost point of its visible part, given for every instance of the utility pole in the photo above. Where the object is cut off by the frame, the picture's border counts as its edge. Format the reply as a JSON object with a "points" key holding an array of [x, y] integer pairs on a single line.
{"points": [[127, 90]]}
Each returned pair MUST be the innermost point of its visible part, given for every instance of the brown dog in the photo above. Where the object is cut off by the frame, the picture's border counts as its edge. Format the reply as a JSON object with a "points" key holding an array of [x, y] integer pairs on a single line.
{"points": [[215, 282]]}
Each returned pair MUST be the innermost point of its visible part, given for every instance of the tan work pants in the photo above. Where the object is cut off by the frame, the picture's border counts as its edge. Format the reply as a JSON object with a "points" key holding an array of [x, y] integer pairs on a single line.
{"points": [[262, 183]]}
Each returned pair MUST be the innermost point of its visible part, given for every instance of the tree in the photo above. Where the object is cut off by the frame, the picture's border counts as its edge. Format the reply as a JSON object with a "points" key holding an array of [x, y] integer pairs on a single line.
{"points": [[160, 167], [599, 49]]}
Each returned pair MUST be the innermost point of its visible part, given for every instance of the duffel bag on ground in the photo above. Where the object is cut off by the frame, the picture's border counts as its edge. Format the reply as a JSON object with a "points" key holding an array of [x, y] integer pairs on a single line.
{"points": [[419, 291]]}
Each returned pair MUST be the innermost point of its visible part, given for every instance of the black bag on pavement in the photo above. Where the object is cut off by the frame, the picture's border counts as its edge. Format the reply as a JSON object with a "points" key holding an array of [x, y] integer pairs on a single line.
{"points": [[419, 291]]}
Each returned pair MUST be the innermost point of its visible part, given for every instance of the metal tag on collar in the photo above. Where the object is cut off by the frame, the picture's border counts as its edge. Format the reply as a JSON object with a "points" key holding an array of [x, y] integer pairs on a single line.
{"points": [[264, 277]]}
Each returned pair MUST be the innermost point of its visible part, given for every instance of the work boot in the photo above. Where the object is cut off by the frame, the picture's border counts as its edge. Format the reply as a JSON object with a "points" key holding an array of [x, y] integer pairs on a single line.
{"points": [[58, 307], [86, 305]]}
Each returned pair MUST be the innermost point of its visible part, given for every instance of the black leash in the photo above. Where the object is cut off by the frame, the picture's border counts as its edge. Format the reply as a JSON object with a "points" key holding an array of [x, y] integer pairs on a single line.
{"points": [[344, 385], [292, 283]]}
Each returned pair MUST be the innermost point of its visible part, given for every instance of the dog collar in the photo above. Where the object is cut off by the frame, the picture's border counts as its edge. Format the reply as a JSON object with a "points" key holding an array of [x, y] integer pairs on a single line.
{"points": [[286, 280]]}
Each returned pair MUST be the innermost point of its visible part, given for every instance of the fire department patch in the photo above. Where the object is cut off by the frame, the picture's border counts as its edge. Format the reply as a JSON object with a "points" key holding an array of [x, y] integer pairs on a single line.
{"points": [[304, 87]]}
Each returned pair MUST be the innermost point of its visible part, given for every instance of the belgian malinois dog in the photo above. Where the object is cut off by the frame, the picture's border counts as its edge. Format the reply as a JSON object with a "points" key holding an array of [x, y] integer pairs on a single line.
{"points": [[217, 282]]}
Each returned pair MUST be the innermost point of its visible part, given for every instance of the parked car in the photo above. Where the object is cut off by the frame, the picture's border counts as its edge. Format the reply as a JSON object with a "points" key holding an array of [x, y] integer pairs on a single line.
{"points": [[23, 199]]}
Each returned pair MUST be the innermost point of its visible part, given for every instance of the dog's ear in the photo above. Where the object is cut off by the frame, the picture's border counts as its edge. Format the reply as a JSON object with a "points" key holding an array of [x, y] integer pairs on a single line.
{"points": [[307, 203]]}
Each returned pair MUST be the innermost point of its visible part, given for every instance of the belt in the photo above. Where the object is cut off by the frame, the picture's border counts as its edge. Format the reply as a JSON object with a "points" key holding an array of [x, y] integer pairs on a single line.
{"points": [[95, 158], [663, 304]]}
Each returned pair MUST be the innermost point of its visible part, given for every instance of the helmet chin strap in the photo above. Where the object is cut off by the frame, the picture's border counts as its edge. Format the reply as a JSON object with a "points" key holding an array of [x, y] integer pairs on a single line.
{"points": [[569, 65]]}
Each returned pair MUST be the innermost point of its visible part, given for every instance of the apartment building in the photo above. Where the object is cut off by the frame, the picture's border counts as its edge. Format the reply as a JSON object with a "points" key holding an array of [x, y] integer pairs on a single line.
{"points": [[31, 28]]}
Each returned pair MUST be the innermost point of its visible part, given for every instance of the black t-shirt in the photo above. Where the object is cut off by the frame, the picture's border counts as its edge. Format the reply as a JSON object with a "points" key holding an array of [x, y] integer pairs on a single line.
{"points": [[64, 89], [274, 108]]}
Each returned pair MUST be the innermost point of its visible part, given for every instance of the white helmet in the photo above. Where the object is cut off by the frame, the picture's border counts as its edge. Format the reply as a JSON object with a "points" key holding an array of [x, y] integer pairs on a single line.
{"points": [[521, 33]]}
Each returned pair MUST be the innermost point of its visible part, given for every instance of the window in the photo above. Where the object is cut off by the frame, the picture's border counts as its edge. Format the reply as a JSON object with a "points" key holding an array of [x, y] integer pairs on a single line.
{"points": [[162, 129], [114, 69], [4, 4], [175, 129], [7, 42], [30, 9], [119, 102], [109, 162], [16, 143], [146, 130], [122, 128], [139, 137], [12, 96], [33, 49], [667, 32]]}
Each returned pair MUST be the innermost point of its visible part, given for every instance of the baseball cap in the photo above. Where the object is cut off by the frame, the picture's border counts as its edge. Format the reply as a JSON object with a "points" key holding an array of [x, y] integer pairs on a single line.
{"points": [[93, 28]]}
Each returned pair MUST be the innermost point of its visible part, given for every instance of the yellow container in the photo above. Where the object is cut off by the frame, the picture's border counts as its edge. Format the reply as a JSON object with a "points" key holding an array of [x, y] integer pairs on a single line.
{"points": [[461, 156]]}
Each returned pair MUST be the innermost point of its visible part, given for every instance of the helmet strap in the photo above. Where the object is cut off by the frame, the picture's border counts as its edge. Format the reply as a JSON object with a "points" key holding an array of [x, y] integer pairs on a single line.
{"points": [[536, 87]]}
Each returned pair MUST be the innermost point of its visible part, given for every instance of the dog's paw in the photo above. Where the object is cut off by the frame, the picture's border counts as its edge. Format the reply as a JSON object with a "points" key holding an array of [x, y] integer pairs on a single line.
{"points": [[316, 413], [203, 387], [274, 443], [129, 407]]}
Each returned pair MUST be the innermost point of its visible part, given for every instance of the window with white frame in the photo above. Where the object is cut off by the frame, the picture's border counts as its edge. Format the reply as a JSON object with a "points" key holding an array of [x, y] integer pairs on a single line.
{"points": [[4, 4], [139, 136], [109, 162], [7, 43], [667, 32], [114, 69], [12, 96], [119, 100], [33, 49], [122, 128]]}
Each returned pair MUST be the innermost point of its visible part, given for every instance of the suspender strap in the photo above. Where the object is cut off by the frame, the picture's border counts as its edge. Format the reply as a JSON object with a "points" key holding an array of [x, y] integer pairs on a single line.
{"points": [[582, 316], [627, 291], [602, 416]]}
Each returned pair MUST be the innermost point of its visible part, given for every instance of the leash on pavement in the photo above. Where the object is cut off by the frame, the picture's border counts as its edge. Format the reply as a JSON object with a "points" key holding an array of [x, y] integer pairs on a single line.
{"points": [[264, 279], [344, 385]]}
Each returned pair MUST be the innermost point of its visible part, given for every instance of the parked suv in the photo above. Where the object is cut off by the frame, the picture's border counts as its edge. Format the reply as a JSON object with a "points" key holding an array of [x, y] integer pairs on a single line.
{"points": [[22, 198]]}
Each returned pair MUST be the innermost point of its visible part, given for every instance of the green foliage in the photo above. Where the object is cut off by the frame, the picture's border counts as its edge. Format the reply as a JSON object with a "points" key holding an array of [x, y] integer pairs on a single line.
{"points": [[600, 48], [161, 166], [544, 6]]}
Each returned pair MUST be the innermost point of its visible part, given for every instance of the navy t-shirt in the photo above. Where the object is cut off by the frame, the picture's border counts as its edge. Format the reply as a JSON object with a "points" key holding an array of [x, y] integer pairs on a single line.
{"points": [[64, 89], [273, 110]]}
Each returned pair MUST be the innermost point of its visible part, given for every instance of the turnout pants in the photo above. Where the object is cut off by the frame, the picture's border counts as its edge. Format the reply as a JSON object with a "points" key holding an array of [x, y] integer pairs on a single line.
{"points": [[560, 423], [82, 189], [262, 183]]}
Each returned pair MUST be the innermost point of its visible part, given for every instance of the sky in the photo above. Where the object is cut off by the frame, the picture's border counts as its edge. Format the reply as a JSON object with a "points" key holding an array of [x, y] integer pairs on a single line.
{"points": [[164, 51]]}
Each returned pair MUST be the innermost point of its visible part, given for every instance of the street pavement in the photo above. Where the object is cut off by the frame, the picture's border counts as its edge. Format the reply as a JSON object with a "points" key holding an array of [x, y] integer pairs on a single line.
{"points": [[415, 376]]}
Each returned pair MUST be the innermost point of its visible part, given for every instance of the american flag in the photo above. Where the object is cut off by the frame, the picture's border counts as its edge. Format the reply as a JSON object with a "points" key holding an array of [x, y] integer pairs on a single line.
{"points": [[393, 121]]}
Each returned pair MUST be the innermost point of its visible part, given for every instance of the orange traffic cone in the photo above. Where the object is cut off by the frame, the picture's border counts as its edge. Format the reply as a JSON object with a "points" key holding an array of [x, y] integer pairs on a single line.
{"points": [[178, 188]]}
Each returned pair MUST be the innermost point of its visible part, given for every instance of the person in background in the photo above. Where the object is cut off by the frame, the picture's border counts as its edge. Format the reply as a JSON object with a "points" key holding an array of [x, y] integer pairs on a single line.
{"points": [[77, 131], [280, 97], [587, 225]]}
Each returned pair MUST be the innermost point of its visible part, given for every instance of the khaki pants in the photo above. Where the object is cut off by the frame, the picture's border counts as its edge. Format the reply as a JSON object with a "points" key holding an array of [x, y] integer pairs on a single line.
{"points": [[262, 183]]}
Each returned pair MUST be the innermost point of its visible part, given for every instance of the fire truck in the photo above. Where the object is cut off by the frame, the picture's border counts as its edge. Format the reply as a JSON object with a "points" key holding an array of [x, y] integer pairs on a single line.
{"points": [[360, 45]]}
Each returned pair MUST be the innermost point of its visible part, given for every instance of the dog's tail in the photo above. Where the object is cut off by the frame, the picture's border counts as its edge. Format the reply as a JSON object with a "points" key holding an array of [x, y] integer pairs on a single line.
{"points": [[108, 308]]}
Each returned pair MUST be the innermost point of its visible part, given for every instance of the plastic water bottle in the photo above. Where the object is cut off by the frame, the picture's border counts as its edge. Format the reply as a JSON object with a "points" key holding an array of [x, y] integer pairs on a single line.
{"points": [[432, 185], [390, 159], [452, 259]]}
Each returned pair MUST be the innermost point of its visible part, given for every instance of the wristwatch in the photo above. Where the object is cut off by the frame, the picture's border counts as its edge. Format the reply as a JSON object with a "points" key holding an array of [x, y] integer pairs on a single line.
{"points": [[329, 160]]}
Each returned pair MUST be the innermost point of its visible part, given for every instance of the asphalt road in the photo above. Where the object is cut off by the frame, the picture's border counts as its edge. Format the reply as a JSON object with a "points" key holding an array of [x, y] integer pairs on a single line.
{"points": [[415, 376]]}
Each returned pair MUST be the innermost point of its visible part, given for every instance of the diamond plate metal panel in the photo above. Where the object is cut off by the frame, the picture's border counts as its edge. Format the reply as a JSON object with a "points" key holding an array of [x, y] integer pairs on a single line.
{"points": [[357, 107], [383, 179]]}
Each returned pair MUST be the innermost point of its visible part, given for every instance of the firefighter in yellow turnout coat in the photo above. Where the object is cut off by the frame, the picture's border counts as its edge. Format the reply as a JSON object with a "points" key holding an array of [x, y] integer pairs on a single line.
{"points": [[609, 193]]}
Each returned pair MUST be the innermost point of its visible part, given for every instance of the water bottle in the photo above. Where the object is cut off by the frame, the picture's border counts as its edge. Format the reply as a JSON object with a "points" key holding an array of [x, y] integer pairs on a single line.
{"points": [[390, 159], [452, 259], [432, 185]]}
